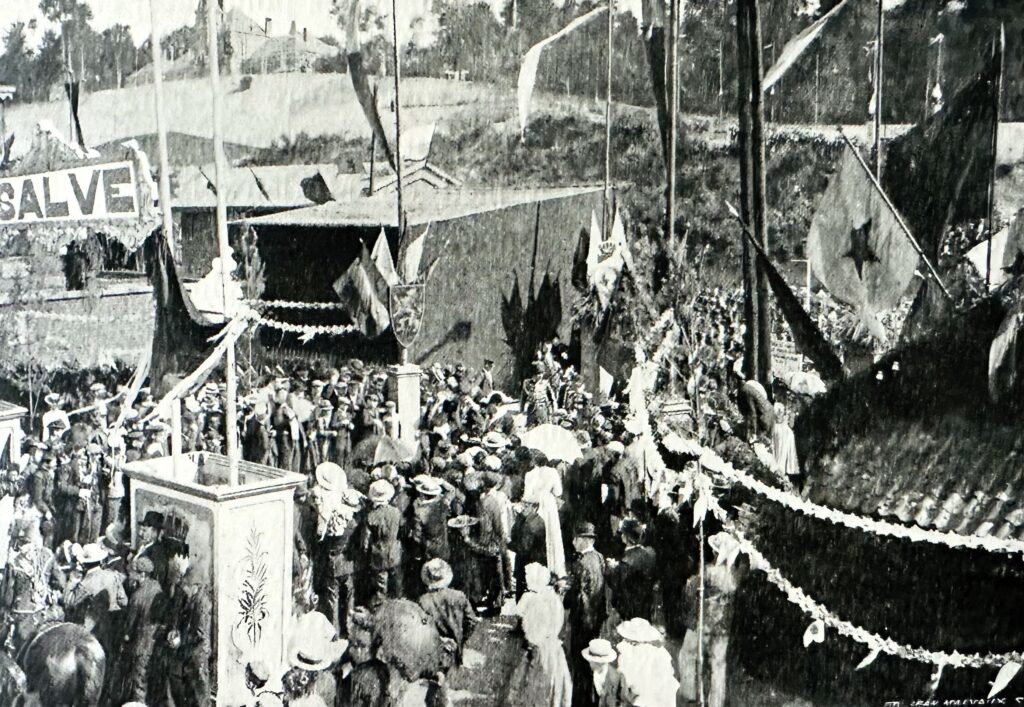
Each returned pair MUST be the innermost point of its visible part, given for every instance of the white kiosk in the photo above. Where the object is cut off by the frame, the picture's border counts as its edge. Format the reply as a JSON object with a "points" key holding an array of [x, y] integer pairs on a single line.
{"points": [[240, 541], [12, 434]]}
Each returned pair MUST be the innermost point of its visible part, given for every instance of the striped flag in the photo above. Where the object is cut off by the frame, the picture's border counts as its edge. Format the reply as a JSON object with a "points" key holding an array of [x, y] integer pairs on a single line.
{"points": [[363, 291]]}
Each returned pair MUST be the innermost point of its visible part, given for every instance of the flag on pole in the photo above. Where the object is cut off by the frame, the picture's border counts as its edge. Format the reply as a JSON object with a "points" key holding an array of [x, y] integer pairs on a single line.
{"points": [[531, 61], [612, 256], [937, 174], [382, 260], [856, 246], [412, 255], [360, 83], [796, 46], [594, 245], [363, 292]]}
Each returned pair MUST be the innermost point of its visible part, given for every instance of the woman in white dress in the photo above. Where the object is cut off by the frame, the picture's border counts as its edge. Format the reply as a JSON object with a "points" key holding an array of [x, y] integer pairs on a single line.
{"points": [[541, 679], [543, 486]]}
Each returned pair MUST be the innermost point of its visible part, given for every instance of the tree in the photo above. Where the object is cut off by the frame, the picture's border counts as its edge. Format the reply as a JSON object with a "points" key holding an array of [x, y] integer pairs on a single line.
{"points": [[16, 60], [118, 53]]}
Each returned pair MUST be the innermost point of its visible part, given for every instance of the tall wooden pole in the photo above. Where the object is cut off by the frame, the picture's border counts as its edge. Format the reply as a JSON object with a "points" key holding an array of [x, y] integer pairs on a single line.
{"points": [[999, 50], [606, 201], [161, 130], [403, 353], [759, 201], [750, 308], [221, 172], [879, 82], [673, 116]]}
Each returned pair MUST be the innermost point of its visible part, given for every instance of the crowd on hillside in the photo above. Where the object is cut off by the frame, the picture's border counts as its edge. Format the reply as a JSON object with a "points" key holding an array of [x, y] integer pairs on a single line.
{"points": [[533, 505]]}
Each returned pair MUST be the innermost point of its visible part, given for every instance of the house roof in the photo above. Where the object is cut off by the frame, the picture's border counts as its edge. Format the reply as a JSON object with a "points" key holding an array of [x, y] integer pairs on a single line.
{"points": [[10, 411], [283, 186], [422, 207]]}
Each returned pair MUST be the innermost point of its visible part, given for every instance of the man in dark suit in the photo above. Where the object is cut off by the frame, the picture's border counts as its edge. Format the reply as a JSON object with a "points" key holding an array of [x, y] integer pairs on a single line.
{"points": [[151, 545], [586, 601], [602, 685], [529, 542], [380, 540], [490, 544], [130, 679], [632, 578]]}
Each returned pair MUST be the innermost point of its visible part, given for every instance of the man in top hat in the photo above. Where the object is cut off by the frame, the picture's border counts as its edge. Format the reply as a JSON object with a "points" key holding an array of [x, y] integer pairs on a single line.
{"points": [[632, 578], [586, 599], [150, 545], [96, 597], [380, 541], [603, 686], [183, 644], [451, 611]]}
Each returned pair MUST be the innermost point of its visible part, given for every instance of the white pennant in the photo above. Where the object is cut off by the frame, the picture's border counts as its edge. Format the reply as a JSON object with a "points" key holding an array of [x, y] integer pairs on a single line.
{"points": [[869, 659], [815, 633], [1006, 673]]}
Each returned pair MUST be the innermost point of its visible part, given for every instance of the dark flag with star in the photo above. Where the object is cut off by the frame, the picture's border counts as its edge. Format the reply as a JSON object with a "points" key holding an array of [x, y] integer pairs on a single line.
{"points": [[856, 247]]}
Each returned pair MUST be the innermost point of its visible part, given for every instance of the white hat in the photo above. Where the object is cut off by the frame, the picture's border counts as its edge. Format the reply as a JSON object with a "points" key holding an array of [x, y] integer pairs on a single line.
{"points": [[92, 553], [639, 631], [331, 477], [427, 485], [381, 491], [314, 644], [600, 651], [494, 440], [616, 446]]}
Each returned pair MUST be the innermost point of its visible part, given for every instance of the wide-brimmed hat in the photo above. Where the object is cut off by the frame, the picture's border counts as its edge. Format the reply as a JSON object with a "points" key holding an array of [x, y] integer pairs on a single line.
{"points": [[600, 650], [436, 574], [494, 440], [427, 486], [92, 554], [97, 388], [52, 399], [314, 644], [639, 630], [331, 477], [381, 491]]}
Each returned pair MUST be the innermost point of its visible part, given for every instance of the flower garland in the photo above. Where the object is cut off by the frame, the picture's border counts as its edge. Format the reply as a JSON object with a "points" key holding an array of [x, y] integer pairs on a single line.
{"points": [[712, 461], [820, 613], [308, 331], [287, 304]]}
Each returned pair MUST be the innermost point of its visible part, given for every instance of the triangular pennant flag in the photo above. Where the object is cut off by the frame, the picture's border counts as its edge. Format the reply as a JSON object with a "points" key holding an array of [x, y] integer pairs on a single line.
{"points": [[381, 257], [815, 633], [1006, 673], [796, 46], [868, 659], [618, 239], [605, 382], [413, 256], [594, 247], [531, 61]]}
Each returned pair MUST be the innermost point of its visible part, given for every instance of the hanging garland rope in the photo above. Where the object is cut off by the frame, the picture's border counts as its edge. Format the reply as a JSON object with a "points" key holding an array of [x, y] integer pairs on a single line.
{"points": [[712, 461], [308, 330], [288, 304], [819, 612]]}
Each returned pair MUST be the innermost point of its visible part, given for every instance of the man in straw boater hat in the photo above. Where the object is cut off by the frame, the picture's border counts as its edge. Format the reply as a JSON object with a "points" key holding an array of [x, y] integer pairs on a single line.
{"points": [[450, 609], [315, 648], [645, 665], [55, 421], [604, 687], [428, 529], [380, 541], [337, 511]]}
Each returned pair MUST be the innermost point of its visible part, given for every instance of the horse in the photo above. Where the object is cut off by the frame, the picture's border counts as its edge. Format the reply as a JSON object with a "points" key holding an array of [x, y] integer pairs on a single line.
{"points": [[63, 665]]}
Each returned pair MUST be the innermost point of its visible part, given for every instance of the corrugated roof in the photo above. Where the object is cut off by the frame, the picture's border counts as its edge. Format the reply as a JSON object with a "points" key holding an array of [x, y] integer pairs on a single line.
{"points": [[422, 207], [283, 185], [950, 474]]}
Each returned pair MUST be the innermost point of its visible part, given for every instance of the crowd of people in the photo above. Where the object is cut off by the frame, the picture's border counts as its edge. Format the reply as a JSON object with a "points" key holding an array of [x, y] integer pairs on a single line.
{"points": [[475, 519]]}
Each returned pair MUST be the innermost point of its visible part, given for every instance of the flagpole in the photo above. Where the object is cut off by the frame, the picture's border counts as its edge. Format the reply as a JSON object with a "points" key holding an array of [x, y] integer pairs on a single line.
{"points": [[403, 353], [995, 151], [161, 130], [606, 217], [759, 201], [220, 170], [750, 308], [879, 48], [673, 117], [895, 213]]}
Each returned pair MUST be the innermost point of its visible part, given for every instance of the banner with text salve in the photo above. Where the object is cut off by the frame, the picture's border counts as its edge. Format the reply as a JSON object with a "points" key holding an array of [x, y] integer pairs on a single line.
{"points": [[90, 193]]}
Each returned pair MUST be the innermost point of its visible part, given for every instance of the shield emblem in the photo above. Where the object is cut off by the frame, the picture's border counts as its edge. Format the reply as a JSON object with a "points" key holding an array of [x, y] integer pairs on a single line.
{"points": [[406, 302]]}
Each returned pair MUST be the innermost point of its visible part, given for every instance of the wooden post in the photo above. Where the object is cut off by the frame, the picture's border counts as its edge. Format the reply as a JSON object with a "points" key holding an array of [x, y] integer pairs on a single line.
{"points": [[750, 293], [221, 172], [759, 201], [1000, 49], [161, 130], [606, 199], [879, 82]]}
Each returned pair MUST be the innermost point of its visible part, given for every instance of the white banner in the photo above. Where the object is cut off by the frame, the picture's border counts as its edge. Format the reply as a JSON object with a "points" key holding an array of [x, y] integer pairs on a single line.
{"points": [[94, 192]]}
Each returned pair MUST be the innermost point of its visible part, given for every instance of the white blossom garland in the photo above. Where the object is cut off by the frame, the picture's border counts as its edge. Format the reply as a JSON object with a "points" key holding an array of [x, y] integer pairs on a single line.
{"points": [[288, 304], [308, 331], [818, 612], [793, 502]]}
